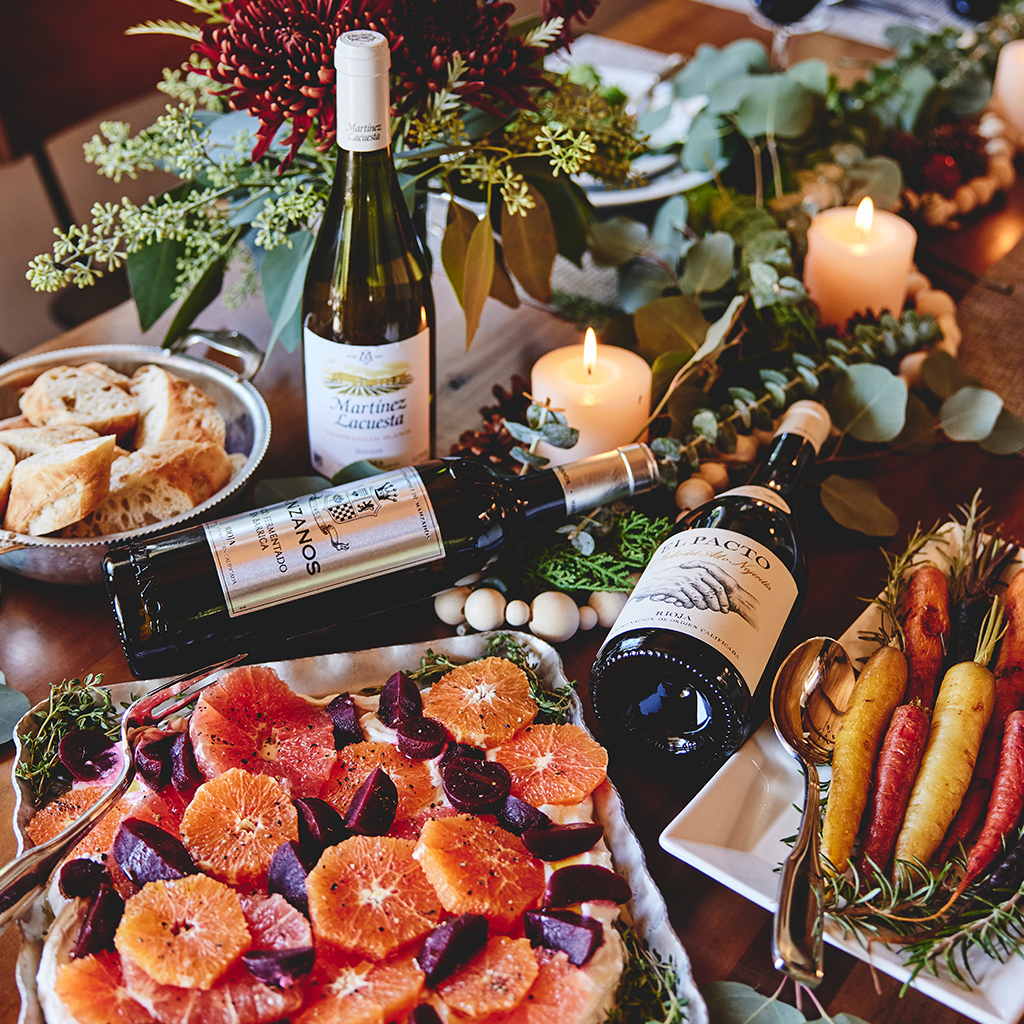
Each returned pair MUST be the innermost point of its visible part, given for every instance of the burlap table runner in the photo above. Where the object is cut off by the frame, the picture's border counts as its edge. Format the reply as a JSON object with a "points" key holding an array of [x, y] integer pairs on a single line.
{"points": [[992, 350]]}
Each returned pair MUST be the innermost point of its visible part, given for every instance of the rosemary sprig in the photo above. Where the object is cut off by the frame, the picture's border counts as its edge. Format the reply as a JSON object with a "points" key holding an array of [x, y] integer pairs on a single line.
{"points": [[73, 704], [432, 667], [647, 992]]}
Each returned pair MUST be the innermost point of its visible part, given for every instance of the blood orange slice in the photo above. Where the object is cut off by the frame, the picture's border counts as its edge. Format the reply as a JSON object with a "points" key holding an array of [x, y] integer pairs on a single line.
{"points": [[496, 979], [186, 931], [367, 896], [92, 990], [355, 763], [561, 992], [252, 719], [343, 990], [476, 867], [482, 703], [553, 764], [234, 824]]}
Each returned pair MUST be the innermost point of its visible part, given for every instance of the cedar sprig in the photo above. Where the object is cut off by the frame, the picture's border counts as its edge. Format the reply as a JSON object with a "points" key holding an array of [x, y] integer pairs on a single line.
{"points": [[647, 991]]}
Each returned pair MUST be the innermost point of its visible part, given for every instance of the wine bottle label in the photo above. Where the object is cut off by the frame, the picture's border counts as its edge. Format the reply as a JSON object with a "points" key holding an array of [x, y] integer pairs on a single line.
{"points": [[325, 540], [765, 494], [367, 402], [717, 586]]}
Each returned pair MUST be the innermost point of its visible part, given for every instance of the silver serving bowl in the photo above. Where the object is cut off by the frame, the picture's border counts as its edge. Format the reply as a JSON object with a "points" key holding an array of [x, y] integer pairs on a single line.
{"points": [[246, 417]]}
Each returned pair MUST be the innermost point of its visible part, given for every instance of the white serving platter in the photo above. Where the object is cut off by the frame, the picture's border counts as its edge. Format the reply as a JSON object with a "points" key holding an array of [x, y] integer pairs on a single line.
{"points": [[744, 851]]}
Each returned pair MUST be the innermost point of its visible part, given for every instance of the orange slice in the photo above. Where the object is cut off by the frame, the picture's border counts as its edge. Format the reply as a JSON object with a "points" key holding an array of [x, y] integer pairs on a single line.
{"points": [[483, 703], [355, 763], [250, 718], [234, 824], [368, 896], [93, 992], [553, 764], [186, 931], [561, 992], [477, 867], [342, 990], [496, 979]]}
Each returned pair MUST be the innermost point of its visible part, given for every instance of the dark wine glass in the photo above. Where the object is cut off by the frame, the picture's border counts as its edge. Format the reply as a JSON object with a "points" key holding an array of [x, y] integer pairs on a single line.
{"points": [[974, 10], [781, 16]]}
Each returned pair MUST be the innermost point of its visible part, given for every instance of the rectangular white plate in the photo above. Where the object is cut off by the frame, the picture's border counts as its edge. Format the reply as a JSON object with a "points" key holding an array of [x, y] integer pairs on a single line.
{"points": [[744, 851]]}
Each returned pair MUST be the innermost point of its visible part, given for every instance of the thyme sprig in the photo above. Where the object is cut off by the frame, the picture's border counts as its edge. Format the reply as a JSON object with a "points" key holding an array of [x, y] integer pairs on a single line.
{"points": [[647, 992], [73, 704]]}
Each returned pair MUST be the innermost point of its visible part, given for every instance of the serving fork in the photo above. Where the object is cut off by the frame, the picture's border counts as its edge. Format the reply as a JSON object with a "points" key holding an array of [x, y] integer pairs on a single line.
{"points": [[25, 877]]}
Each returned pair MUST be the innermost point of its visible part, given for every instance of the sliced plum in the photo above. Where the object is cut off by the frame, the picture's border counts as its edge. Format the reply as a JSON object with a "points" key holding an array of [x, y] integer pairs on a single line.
{"points": [[345, 716], [106, 909], [282, 968], [577, 936], [452, 944], [399, 700], [88, 754], [475, 786], [82, 877], [584, 883], [153, 759], [374, 805], [454, 750], [146, 853], [320, 826], [516, 816], [421, 738], [557, 842], [186, 776], [287, 875]]}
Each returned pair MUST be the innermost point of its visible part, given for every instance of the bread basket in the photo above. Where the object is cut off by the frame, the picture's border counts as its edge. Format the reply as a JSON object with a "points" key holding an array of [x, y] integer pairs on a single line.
{"points": [[79, 561]]}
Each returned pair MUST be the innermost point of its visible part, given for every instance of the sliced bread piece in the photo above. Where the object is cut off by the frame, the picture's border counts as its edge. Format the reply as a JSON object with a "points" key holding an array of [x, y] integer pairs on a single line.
{"points": [[26, 441], [155, 483], [7, 461], [58, 487], [173, 409], [67, 394], [109, 375]]}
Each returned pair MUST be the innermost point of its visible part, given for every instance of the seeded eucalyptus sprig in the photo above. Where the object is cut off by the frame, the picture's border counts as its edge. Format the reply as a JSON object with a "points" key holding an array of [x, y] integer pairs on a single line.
{"points": [[542, 424]]}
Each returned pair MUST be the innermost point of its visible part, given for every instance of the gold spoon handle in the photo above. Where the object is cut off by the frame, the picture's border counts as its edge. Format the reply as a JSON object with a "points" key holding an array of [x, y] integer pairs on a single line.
{"points": [[798, 934]]}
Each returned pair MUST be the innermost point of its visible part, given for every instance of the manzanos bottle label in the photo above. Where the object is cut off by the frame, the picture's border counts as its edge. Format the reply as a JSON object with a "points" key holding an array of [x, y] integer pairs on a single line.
{"points": [[717, 586]]}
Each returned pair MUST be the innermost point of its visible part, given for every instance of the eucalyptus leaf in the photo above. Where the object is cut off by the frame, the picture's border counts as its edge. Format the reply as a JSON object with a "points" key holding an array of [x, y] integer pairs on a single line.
{"points": [[855, 504], [771, 247], [1007, 436], [616, 241], [584, 543], [664, 369], [522, 455], [479, 275], [719, 331], [869, 403], [709, 264], [916, 89], [764, 281], [13, 706], [970, 414], [559, 435], [709, 66], [705, 423], [642, 282], [521, 432], [877, 177], [704, 148], [731, 1002], [811, 74], [781, 106], [919, 434], [667, 231], [943, 376], [530, 245], [283, 275], [668, 324], [665, 448]]}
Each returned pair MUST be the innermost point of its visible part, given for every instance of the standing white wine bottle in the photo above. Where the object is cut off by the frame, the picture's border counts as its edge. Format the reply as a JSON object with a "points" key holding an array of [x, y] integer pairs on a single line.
{"points": [[698, 638], [367, 307]]}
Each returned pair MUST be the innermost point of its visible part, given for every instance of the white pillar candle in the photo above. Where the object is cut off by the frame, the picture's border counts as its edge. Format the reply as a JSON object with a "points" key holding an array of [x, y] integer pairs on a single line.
{"points": [[603, 391], [1008, 87], [858, 261]]}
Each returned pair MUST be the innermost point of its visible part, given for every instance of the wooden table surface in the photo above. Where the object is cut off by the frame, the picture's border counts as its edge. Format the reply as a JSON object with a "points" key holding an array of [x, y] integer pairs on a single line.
{"points": [[50, 632]]}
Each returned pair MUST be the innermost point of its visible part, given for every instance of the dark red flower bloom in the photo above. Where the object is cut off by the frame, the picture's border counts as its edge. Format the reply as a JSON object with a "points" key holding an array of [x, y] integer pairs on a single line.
{"points": [[568, 10]]}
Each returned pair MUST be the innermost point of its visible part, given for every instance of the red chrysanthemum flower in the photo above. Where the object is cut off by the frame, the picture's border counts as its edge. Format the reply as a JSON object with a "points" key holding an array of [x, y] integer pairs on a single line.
{"points": [[276, 59], [568, 10]]}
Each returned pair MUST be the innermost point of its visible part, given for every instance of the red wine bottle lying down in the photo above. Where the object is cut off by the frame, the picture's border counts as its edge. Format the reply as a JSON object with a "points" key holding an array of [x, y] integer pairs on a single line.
{"points": [[192, 598]]}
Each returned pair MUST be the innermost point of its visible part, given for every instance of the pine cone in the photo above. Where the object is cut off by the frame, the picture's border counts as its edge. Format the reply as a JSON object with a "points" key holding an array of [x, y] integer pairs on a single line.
{"points": [[490, 444]]}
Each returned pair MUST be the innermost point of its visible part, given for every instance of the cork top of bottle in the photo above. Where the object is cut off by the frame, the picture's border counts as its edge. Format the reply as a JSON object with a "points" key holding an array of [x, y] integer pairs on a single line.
{"points": [[808, 419], [362, 53]]}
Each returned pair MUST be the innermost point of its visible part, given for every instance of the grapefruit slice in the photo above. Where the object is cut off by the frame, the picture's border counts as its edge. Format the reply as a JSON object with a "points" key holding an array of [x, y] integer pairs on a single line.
{"points": [[476, 867], [252, 719], [496, 979], [92, 990], [553, 764], [185, 932], [368, 897], [355, 763], [482, 703], [234, 824], [343, 989], [561, 992]]}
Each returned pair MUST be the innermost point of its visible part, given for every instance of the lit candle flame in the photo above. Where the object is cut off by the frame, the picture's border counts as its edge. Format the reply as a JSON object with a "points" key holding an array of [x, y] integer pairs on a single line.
{"points": [[865, 214], [589, 351]]}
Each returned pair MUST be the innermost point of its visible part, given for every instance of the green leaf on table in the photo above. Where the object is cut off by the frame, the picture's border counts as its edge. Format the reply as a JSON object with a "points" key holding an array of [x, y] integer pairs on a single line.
{"points": [[970, 414], [616, 241], [811, 74], [283, 276], [642, 282], [530, 246], [152, 275], [479, 275], [669, 324], [869, 403], [764, 284], [709, 66], [710, 263], [879, 177], [919, 435], [779, 106], [705, 423], [560, 435], [1007, 435], [13, 706], [206, 289], [681, 406], [523, 432], [664, 369], [704, 148], [668, 229], [455, 245], [943, 376], [731, 1002], [771, 247], [856, 505], [916, 90]]}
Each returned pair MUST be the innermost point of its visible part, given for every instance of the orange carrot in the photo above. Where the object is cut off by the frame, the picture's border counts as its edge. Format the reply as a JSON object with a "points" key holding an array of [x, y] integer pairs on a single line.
{"points": [[895, 772], [926, 629]]}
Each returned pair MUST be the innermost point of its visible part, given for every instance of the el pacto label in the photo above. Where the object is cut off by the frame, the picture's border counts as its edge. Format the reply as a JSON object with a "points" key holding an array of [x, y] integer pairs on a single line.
{"points": [[325, 540], [717, 586]]}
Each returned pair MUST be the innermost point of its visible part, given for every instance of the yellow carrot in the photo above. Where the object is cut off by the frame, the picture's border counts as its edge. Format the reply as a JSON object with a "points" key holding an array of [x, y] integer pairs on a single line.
{"points": [[962, 710], [878, 690]]}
